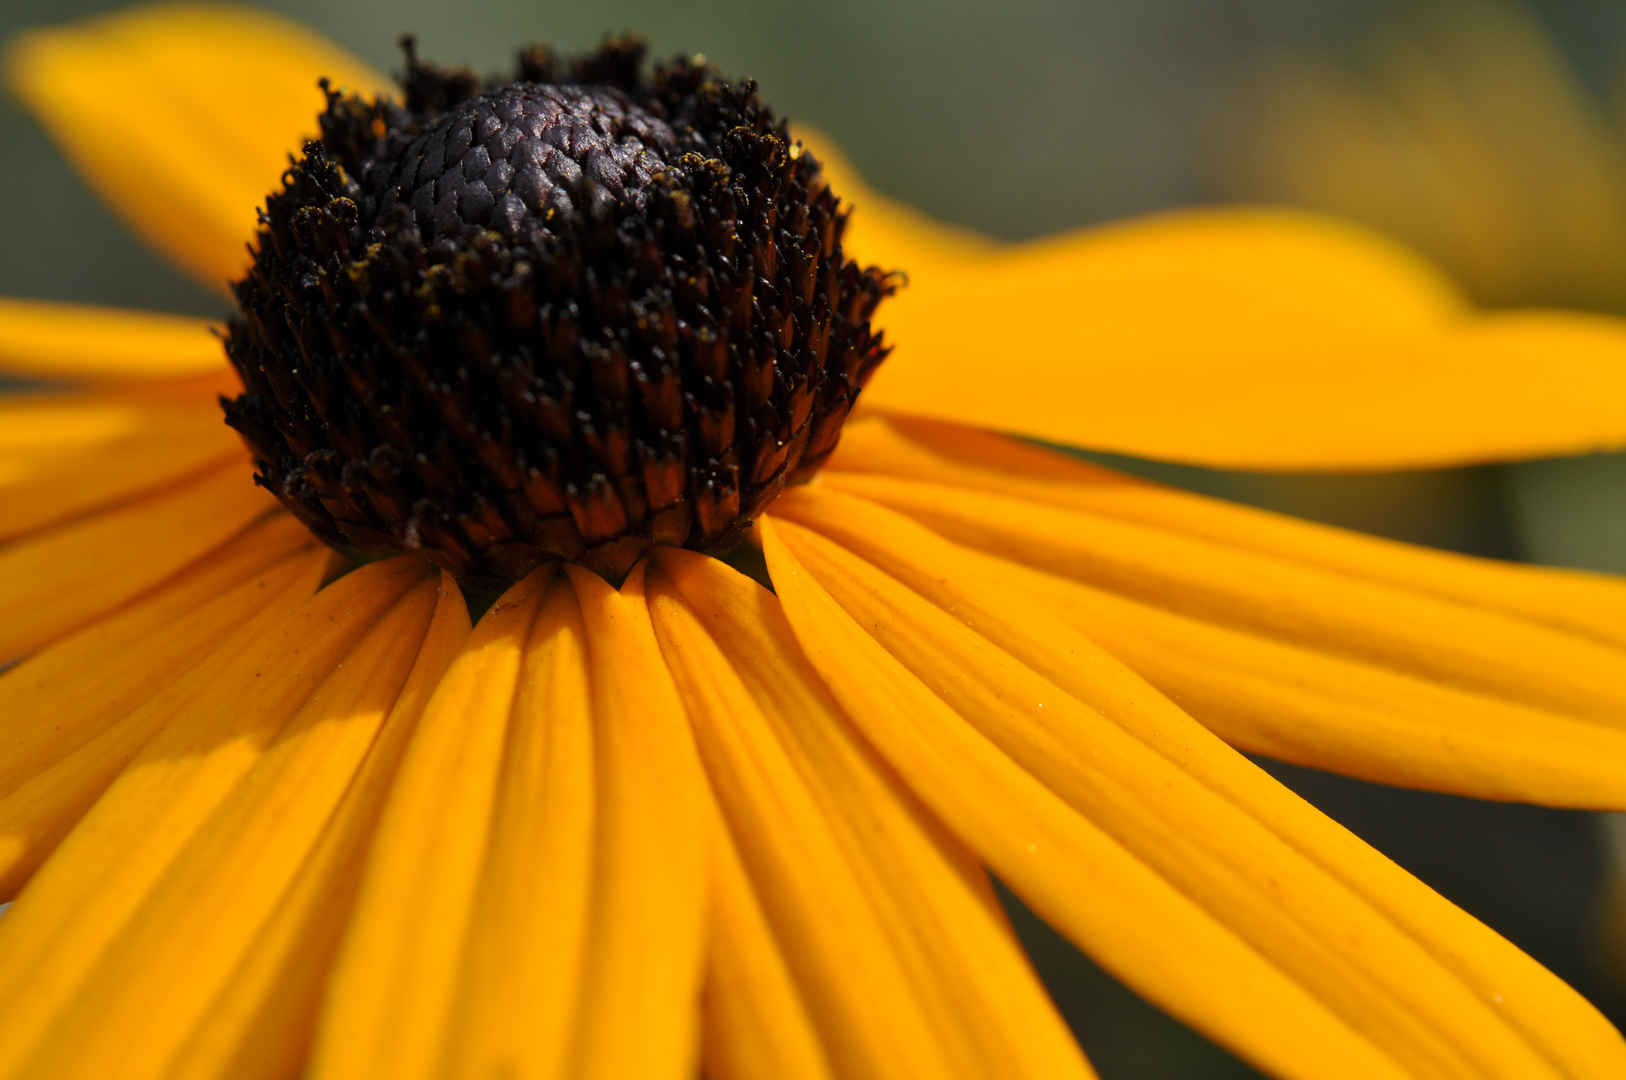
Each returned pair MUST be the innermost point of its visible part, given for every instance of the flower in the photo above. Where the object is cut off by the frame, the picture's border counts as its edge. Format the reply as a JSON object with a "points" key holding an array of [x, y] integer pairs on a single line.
{"points": [[292, 827]]}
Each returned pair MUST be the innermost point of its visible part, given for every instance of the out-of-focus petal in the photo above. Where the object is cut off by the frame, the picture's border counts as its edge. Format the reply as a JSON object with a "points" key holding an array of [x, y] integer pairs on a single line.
{"points": [[1238, 338], [53, 581], [50, 340], [182, 116]]}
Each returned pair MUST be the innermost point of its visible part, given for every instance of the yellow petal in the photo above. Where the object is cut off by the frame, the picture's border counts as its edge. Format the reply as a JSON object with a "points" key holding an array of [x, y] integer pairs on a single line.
{"points": [[754, 1023], [1360, 961], [516, 1000], [138, 651], [1132, 921], [261, 1025], [1496, 388], [793, 781], [57, 580], [645, 952], [181, 944], [1438, 639], [1590, 604], [50, 340], [60, 926], [182, 116], [870, 1015], [1356, 718], [39, 812], [985, 593], [1240, 338], [169, 446], [390, 997]]}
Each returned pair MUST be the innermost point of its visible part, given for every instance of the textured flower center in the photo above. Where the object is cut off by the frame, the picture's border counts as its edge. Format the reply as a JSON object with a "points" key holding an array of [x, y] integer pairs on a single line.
{"points": [[565, 317]]}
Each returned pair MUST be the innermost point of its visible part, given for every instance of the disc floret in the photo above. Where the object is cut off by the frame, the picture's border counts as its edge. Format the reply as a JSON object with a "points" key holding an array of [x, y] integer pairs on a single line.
{"points": [[565, 316]]}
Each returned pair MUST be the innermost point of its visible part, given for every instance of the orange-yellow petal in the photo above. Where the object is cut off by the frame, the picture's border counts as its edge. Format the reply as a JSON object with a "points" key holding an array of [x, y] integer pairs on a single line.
{"points": [[1131, 920], [54, 581], [163, 446], [961, 991], [1349, 716], [180, 945], [1146, 794], [140, 650], [51, 340], [1239, 338], [870, 1015], [1157, 385], [261, 1025], [182, 116], [985, 593], [753, 1020], [1589, 604], [645, 954], [1444, 640], [388, 1005], [62, 924], [522, 967], [73, 774]]}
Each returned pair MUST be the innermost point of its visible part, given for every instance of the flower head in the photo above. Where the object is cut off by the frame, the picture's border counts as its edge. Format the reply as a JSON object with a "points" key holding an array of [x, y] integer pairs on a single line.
{"points": [[307, 819]]}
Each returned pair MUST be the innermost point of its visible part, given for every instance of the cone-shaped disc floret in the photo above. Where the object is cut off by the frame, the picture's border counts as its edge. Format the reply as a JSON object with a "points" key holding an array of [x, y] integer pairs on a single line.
{"points": [[567, 316]]}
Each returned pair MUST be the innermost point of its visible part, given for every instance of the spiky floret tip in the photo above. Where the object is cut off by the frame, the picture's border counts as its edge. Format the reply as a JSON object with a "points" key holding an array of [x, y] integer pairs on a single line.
{"points": [[564, 316]]}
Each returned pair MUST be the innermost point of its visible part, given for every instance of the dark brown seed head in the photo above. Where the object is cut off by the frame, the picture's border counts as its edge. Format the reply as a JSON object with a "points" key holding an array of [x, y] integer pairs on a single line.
{"points": [[563, 317]]}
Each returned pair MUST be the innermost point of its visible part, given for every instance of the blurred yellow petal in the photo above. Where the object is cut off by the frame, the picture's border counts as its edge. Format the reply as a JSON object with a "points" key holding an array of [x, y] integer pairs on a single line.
{"points": [[1151, 384], [260, 1026], [961, 968], [54, 581], [163, 446], [182, 116], [1460, 128], [193, 924], [138, 651], [1237, 338], [389, 999], [73, 909], [645, 946], [1129, 919], [48, 340]]}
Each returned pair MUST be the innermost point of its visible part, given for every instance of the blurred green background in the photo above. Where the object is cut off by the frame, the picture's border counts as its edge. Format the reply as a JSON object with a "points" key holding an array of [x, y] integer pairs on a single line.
{"points": [[1033, 116]]}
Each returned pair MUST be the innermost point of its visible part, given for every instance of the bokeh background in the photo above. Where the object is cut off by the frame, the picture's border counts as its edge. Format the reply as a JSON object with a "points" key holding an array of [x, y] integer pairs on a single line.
{"points": [[1486, 133]]}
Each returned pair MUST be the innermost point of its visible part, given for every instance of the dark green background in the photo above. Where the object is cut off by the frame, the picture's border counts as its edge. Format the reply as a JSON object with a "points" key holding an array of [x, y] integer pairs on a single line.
{"points": [[1019, 118]]}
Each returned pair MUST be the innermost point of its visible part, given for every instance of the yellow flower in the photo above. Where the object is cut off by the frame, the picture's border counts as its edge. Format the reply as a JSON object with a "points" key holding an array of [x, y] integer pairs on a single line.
{"points": [[261, 827]]}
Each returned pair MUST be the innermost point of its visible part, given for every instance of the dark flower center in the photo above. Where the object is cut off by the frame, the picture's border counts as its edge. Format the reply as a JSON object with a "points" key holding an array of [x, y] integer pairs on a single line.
{"points": [[564, 317]]}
